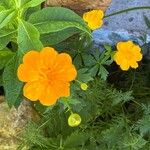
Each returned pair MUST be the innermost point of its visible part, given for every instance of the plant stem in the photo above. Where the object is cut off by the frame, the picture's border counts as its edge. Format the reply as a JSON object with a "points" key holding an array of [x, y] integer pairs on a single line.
{"points": [[127, 10], [69, 108], [61, 143]]}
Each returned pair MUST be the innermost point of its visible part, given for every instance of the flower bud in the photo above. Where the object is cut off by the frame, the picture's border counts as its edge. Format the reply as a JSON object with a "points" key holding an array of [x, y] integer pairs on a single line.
{"points": [[74, 120], [84, 86]]}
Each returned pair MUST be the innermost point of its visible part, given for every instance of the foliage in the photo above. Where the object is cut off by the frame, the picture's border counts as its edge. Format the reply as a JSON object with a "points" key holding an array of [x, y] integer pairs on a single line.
{"points": [[24, 25], [114, 106], [111, 118]]}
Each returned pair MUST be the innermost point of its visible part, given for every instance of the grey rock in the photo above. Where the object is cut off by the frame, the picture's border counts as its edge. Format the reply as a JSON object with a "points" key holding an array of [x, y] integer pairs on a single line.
{"points": [[126, 26], [111, 37], [130, 21]]}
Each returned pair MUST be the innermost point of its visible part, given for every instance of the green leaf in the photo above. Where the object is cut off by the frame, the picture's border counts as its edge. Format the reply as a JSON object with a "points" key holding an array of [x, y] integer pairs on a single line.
{"points": [[55, 14], [6, 16], [30, 3], [5, 56], [76, 139], [134, 142], [143, 125], [84, 75], [57, 37], [33, 134], [7, 4], [122, 97], [147, 21], [54, 19], [31, 11], [6, 36], [28, 37], [2, 8], [1, 80], [94, 70], [103, 72], [89, 60], [12, 86], [56, 26]]}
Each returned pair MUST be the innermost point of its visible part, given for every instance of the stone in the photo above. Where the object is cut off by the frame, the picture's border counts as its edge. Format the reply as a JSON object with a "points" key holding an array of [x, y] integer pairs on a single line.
{"points": [[13, 121], [126, 26], [130, 21], [80, 6]]}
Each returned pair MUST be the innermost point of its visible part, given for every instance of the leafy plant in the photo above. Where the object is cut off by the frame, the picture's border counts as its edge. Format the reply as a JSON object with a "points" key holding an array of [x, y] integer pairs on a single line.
{"points": [[24, 29], [114, 115]]}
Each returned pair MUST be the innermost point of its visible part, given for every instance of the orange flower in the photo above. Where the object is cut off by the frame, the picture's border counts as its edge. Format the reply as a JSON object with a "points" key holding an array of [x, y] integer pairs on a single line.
{"points": [[47, 75], [127, 55], [94, 19]]}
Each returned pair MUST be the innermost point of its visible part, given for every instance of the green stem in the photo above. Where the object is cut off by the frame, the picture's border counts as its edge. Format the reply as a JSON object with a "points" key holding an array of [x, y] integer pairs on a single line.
{"points": [[127, 10], [69, 108], [61, 143], [43, 124]]}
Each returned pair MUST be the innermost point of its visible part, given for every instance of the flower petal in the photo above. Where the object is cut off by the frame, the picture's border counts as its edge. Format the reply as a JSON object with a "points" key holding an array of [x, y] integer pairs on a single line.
{"points": [[48, 96], [134, 65], [94, 18], [137, 53], [32, 59], [62, 88], [26, 73], [124, 46], [97, 24], [32, 90], [48, 56], [47, 75], [124, 65], [118, 57], [64, 68]]}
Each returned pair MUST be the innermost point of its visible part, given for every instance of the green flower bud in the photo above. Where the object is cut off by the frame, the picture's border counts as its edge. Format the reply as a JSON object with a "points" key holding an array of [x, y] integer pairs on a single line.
{"points": [[74, 120]]}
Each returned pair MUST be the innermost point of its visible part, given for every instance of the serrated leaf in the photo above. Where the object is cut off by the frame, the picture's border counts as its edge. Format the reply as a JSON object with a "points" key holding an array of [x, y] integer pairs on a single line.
{"points": [[122, 97], [94, 70], [103, 73], [143, 125], [108, 48], [97, 54], [134, 142], [75, 139], [84, 75], [89, 60]]}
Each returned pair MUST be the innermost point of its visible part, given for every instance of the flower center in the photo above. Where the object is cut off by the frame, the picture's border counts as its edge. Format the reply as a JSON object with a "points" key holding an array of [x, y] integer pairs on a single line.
{"points": [[48, 74], [128, 55]]}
